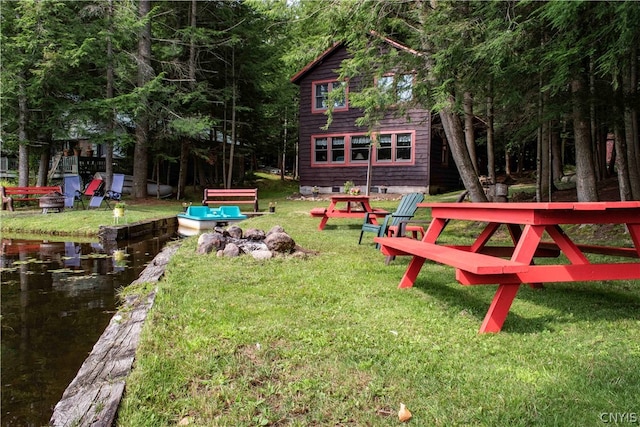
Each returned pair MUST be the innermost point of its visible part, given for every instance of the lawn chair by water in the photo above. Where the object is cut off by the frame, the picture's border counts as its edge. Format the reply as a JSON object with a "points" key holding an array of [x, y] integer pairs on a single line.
{"points": [[72, 191], [117, 184], [405, 211], [95, 190]]}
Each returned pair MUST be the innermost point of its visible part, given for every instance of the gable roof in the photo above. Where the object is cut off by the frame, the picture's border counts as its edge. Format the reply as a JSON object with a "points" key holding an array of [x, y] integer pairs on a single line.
{"points": [[311, 65]]}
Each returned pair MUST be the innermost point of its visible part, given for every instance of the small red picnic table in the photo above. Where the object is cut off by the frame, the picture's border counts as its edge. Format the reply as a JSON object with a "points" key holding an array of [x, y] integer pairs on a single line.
{"points": [[356, 207], [479, 263]]}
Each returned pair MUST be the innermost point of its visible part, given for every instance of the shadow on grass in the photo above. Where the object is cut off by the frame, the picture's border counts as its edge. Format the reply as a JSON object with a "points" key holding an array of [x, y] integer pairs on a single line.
{"points": [[329, 227], [573, 302]]}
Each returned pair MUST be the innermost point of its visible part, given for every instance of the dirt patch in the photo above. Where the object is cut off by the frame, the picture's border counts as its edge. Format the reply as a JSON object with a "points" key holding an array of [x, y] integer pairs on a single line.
{"points": [[607, 192]]}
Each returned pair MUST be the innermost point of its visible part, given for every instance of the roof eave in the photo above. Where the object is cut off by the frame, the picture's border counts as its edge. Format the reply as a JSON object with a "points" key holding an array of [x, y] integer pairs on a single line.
{"points": [[300, 74]]}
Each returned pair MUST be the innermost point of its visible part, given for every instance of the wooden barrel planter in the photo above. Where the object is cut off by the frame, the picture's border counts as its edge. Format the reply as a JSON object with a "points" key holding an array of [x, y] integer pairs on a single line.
{"points": [[51, 201]]}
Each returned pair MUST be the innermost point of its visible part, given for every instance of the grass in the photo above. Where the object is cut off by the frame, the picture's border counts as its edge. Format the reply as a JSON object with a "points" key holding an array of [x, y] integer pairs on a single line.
{"points": [[80, 222], [330, 340]]}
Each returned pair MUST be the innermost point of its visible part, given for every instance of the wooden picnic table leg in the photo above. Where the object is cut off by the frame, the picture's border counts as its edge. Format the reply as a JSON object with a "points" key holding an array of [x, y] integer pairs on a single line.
{"points": [[323, 222], [528, 242], [434, 230], [634, 231], [410, 275], [486, 234], [565, 244], [522, 252], [499, 308]]}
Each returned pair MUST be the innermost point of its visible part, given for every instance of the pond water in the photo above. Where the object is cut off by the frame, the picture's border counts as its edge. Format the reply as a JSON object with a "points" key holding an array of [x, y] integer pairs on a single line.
{"points": [[57, 299]]}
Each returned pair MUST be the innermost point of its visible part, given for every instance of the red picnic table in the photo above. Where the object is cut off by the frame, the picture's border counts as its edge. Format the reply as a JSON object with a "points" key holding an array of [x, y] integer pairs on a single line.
{"points": [[479, 263], [356, 207]]}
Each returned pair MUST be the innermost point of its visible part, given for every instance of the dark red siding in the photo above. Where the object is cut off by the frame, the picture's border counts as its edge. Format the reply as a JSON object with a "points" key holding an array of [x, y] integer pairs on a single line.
{"points": [[412, 176]]}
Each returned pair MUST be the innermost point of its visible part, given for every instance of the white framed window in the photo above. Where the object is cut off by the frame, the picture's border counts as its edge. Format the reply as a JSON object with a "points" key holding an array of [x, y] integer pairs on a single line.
{"points": [[398, 86], [360, 148], [324, 93], [320, 150], [404, 147], [337, 149], [384, 153]]}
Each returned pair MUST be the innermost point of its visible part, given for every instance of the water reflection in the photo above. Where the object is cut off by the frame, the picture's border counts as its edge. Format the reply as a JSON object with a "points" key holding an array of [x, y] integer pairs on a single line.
{"points": [[57, 298]]}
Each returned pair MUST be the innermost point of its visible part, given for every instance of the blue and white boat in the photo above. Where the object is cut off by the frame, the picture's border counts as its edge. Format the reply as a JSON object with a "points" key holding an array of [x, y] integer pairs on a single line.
{"points": [[200, 218]]}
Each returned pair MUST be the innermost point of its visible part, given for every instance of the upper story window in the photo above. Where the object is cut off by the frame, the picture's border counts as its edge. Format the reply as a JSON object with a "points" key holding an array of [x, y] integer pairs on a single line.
{"points": [[326, 92], [398, 86]]}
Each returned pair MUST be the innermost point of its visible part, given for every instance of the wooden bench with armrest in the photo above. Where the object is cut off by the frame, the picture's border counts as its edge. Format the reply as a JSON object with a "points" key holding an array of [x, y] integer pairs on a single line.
{"points": [[29, 194], [228, 196]]}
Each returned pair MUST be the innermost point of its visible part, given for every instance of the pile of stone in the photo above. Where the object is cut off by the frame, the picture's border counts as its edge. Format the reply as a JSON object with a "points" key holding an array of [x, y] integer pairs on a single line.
{"points": [[233, 242]]}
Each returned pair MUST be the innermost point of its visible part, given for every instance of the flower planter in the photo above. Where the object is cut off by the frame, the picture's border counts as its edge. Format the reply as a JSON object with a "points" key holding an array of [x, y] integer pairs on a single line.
{"points": [[118, 212]]}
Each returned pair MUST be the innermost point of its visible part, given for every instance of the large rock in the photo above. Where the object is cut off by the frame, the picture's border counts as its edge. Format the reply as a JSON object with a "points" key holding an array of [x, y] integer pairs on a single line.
{"points": [[254, 234], [233, 242], [209, 242], [231, 250], [275, 229], [235, 232], [262, 254], [280, 242]]}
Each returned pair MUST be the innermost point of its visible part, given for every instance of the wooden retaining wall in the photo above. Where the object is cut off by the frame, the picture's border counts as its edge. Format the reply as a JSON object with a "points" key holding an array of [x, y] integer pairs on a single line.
{"points": [[93, 397], [137, 229]]}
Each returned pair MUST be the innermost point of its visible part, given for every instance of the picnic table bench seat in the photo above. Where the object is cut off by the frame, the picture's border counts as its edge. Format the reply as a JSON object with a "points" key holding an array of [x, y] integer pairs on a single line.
{"points": [[316, 212], [472, 262], [231, 196]]}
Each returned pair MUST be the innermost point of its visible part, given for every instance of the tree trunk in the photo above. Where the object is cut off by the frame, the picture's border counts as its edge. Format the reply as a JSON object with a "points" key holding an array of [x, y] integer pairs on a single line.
{"points": [[140, 154], [455, 136], [108, 155], [233, 118], [544, 186], [184, 164], [629, 84], [43, 166], [185, 149], [586, 182], [556, 154], [491, 157], [622, 166], [598, 158], [507, 162], [469, 134], [543, 190], [23, 148]]}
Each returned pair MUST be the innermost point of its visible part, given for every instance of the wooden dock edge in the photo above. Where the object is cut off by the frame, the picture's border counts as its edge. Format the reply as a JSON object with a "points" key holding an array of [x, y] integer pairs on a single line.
{"points": [[93, 397]]}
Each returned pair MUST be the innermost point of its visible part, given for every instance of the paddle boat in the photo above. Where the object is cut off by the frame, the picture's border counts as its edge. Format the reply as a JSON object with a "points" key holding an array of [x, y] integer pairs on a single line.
{"points": [[199, 218]]}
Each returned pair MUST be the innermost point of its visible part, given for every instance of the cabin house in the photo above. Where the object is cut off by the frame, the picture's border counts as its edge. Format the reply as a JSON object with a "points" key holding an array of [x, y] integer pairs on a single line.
{"points": [[410, 153]]}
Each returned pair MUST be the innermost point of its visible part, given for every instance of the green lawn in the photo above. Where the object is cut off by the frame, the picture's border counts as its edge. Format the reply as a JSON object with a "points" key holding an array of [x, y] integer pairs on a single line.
{"points": [[330, 340]]}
